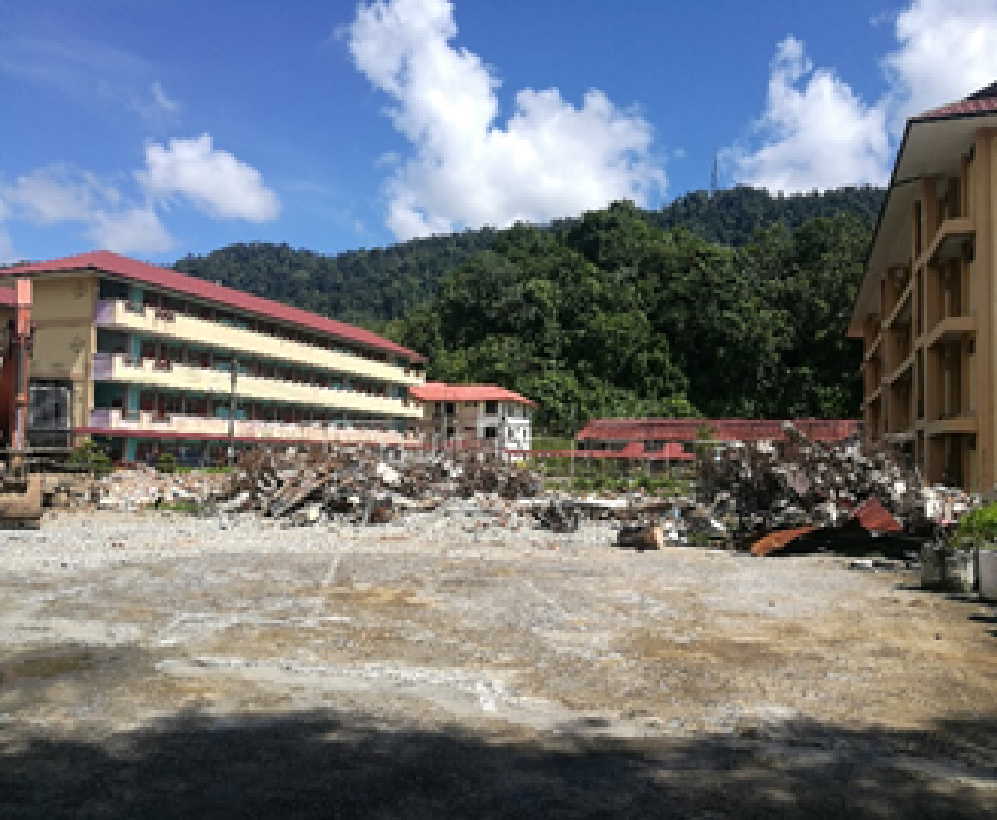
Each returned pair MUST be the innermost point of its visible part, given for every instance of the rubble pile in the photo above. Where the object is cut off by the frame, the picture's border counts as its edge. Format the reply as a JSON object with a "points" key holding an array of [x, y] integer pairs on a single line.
{"points": [[311, 485], [799, 482], [146, 486]]}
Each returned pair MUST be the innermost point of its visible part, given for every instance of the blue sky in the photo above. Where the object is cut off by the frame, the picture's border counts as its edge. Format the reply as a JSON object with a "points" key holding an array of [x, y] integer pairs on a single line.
{"points": [[160, 129]]}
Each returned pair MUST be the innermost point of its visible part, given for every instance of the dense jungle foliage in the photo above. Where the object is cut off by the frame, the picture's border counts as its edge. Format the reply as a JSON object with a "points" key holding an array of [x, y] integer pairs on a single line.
{"points": [[621, 312], [364, 287]]}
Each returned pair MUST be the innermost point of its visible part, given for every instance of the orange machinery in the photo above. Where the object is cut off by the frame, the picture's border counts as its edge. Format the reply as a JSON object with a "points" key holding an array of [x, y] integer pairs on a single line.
{"points": [[20, 488]]}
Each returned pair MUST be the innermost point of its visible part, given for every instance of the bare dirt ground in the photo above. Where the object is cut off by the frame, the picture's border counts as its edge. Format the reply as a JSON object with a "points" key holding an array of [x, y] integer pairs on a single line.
{"points": [[165, 666]]}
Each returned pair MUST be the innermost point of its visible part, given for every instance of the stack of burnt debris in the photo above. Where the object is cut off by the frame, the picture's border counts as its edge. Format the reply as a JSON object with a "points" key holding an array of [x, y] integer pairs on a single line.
{"points": [[797, 482], [365, 486], [770, 494]]}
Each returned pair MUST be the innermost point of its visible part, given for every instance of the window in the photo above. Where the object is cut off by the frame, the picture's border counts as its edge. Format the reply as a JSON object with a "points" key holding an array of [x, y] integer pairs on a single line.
{"points": [[109, 289], [451, 408], [491, 432], [491, 408], [111, 341]]}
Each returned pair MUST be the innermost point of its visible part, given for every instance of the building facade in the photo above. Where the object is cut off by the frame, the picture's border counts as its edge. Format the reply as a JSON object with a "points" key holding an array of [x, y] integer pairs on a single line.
{"points": [[474, 414], [156, 361], [926, 307]]}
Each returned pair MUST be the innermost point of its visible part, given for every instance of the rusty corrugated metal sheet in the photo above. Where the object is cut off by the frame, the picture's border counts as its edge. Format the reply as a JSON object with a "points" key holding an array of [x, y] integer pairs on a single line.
{"points": [[874, 517], [778, 540]]}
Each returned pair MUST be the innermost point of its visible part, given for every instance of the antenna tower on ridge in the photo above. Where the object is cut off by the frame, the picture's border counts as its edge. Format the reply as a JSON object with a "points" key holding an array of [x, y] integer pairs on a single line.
{"points": [[713, 176]]}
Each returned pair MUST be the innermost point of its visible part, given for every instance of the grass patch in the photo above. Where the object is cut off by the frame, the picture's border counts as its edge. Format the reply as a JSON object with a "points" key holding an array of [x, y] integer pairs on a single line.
{"points": [[187, 507]]}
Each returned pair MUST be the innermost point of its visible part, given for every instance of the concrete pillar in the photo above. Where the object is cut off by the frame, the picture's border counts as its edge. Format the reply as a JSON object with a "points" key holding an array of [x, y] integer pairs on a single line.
{"points": [[131, 400], [932, 384], [929, 211], [984, 178]]}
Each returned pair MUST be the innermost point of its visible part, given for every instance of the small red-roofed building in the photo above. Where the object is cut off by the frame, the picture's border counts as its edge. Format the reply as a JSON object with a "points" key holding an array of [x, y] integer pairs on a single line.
{"points": [[655, 435], [469, 414]]}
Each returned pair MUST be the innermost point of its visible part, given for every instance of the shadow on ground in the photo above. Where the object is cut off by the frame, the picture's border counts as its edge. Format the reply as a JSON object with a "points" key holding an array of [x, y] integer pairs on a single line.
{"points": [[327, 764]]}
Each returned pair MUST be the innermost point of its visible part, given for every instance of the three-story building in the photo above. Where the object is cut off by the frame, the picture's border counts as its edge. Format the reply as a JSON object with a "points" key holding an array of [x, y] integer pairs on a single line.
{"points": [[926, 307], [157, 361]]}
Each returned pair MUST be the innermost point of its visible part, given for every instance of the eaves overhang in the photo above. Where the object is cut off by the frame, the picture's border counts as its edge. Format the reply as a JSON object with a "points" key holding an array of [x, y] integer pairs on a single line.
{"points": [[933, 144]]}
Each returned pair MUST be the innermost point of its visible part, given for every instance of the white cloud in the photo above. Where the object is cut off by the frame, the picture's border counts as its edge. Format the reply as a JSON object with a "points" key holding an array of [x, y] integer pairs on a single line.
{"points": [[213, 180], [817, 133], [158, 110], [388, 158], [130, 231], [162, 101], [58, 194], [51, 195], [549, 159], [948, 49]]}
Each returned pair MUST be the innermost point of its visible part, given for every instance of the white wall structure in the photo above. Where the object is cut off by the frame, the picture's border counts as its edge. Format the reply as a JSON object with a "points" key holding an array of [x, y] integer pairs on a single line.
{"points": [[475, 414]]}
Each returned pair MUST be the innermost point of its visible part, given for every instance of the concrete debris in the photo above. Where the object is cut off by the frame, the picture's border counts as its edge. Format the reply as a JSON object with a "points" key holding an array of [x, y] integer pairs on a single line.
{"points": [[127, 490], [560, 516], [802, 483], [363, 487], [641, 537]]}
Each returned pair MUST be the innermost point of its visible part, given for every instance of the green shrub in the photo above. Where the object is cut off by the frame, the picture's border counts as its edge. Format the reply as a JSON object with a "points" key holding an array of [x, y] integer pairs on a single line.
{"points": [[88, 456], [166, 463], [979, 525]]}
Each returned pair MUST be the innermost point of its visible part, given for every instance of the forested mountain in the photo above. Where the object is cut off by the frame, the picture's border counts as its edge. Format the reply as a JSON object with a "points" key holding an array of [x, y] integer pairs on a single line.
{"points": [[734, 305], [369, 287], [613, 316], [363, 286], [731, 217]]}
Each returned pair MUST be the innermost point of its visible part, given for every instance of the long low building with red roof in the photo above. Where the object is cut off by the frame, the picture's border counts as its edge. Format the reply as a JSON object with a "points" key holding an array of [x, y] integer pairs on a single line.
{"points": [[153, 361], [484, 413], [656, 434]]}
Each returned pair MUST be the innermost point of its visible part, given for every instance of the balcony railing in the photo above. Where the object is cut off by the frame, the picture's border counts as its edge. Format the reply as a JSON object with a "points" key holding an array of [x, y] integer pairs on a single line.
{"points": [[178, 426], [951, 329], [119, 315], [172, 376], [948, 241]]}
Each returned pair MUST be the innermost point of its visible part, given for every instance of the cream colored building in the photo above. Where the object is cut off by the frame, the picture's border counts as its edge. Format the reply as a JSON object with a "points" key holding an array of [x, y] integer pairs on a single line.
{"points": [[475, 415], [927, 308], [148, 355]]}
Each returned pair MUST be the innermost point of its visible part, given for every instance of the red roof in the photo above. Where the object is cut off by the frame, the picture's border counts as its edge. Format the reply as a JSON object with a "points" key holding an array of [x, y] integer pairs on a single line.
{"points": [[441, 391], [7, 297], [192, 286], [638, 430], [972, 105]]}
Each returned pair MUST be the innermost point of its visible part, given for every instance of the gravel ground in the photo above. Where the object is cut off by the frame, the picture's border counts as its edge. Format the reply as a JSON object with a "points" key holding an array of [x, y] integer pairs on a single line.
{"points": [[164, 665]]}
